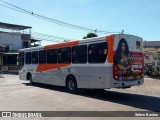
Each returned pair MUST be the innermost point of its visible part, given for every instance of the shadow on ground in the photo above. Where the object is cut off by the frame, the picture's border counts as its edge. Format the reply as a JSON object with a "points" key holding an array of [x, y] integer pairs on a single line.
{"points": [[153, 77], [150, 103]]}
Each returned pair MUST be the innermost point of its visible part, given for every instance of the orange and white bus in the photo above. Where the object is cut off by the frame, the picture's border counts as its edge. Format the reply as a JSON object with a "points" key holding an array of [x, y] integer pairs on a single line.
{"points": [[113, 61]]}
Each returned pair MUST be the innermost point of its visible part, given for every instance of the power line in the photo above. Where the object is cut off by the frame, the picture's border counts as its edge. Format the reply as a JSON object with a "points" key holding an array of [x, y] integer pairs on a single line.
{"points": [[45, 37], [13, 7], [42, 36], [49, 36], [44, 18]]}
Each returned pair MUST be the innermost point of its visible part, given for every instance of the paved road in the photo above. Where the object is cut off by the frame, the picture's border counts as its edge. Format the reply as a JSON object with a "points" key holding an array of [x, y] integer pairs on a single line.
{"points": [[17, 95]]}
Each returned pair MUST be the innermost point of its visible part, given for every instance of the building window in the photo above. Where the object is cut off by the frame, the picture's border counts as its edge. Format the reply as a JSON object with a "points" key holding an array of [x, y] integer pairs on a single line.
{"points": [[35, 57], [146, 57], [11, 59], [4, 60], [52, 56], [28, 57], [42, 57], [64, 55], [97, 52], [79, 54], [4, 48]]}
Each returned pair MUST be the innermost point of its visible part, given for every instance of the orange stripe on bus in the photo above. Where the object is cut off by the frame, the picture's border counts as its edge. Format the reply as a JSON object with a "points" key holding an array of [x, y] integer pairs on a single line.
{"points": [[62, 45], [44, 67], [110, 41]]}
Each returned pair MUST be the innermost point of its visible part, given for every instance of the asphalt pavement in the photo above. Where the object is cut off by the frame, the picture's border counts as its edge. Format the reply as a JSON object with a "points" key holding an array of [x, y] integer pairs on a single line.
{"points": [[19, 95]]}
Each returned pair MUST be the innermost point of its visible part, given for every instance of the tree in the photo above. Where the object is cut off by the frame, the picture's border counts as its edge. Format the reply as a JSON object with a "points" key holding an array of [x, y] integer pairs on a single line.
{"points": [[90, 35]]}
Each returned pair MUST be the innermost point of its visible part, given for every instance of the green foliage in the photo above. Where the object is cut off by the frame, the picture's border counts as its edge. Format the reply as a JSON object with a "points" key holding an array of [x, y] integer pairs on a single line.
{"points": [[90, 35]]}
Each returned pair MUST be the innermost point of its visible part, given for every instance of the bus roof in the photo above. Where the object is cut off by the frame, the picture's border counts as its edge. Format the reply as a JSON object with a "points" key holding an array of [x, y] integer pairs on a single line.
{"points": [[71, 43]]}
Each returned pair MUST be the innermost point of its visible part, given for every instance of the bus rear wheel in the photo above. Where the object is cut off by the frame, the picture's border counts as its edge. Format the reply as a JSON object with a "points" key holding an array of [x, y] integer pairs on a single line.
{"points": [[71, 85]]}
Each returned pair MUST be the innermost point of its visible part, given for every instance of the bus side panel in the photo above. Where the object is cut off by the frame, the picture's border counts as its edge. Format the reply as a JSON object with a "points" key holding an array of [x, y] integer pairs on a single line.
{"points": [[22, 75], [97, 75], [60, 75], [37, 77], [80, 72], [32, 69], [108, 76], [47, 77], [25, 70]]}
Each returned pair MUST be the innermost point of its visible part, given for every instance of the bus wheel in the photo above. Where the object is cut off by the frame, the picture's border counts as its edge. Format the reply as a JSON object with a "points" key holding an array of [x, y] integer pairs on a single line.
{"points": [[31, 79], [71, 85]]}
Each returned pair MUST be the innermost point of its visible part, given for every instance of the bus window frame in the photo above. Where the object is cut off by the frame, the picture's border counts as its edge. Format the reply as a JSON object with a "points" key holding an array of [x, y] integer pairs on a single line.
{"points": [[37, 57], [21, 63], [70, 59], [40, 57], [26, 57], [86, 54], [96, 56], [50, 56]]}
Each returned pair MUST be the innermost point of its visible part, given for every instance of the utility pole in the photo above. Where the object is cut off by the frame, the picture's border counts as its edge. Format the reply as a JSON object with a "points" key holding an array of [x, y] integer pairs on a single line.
{"points": [[122, 31]]}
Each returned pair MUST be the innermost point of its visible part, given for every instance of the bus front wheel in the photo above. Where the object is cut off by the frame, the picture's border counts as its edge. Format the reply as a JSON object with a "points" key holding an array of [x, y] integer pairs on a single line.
{"points": [[71, 85], [31, 79]]}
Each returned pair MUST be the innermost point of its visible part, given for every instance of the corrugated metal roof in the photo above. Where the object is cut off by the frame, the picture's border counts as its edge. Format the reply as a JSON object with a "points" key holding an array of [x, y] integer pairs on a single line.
{"points": [[151, 44], [13, 26]]}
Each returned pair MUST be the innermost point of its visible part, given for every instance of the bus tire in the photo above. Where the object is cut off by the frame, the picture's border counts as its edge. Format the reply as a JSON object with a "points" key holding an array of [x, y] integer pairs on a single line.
{"points": [[31, 80], [71, 85]]}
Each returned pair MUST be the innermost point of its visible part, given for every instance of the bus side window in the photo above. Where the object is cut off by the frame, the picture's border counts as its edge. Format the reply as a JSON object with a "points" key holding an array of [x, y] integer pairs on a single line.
{"points": [[42, 57], [64, 55], [35, 57], [97, 52], [52, 56], [28, 57], [138, 44], [79, 54]]}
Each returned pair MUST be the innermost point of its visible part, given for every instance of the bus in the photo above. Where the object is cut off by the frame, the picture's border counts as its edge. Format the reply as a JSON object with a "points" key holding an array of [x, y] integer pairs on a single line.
{"points": [[112, 61]]}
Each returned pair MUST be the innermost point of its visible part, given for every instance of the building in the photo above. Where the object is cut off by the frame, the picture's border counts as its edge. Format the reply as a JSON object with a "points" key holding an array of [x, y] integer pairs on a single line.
{"points": [[152, 53], [12, 38]]}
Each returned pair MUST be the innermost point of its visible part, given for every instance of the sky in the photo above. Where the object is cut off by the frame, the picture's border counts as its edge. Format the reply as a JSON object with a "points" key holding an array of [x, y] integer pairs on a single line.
{"points": [[136, 17]]}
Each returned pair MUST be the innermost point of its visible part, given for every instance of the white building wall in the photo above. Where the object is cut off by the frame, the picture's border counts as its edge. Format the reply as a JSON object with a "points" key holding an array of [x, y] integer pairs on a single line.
{"points": [[13, 40], [148, 58], [152, 58]]}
